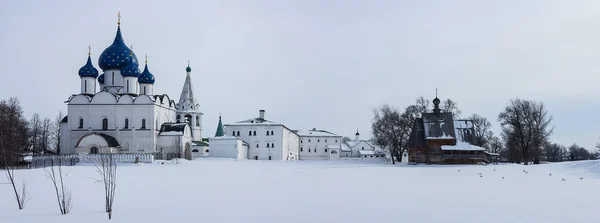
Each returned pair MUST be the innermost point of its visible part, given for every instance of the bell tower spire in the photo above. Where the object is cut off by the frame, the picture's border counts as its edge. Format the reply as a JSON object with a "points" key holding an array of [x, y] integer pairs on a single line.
{"points": [[188, 107]]}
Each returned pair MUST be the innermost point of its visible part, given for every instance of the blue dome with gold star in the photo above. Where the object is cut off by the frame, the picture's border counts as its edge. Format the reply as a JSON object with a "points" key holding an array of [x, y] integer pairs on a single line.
{"points": [[146, 77], [88, 70], [101, 79], [131, 69], [116, 56]]}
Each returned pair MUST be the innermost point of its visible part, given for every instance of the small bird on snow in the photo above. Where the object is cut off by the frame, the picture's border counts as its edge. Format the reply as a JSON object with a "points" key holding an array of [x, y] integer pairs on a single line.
{"points": [[563, 179], [581, 178]]}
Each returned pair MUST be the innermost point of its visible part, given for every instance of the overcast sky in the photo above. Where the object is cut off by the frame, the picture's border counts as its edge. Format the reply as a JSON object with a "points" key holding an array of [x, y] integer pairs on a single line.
{"points": [[323, 64]]}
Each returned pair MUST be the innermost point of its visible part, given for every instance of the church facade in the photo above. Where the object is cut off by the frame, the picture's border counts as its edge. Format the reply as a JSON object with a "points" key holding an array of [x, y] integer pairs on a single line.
{"points": [[117, 111]]}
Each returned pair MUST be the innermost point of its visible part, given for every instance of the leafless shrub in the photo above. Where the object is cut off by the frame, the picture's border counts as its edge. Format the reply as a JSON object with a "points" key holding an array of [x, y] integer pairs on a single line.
{"points": [[24, 195], [107, 168], [63, 194]]}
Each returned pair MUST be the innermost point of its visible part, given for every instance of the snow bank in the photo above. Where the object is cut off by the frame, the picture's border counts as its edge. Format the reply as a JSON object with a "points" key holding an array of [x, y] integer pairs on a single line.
{"points": [[209, 190]]}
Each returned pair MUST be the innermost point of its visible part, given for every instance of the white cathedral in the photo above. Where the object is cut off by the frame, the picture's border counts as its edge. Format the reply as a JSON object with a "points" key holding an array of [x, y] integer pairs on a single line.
{"points": [[119, 112]]}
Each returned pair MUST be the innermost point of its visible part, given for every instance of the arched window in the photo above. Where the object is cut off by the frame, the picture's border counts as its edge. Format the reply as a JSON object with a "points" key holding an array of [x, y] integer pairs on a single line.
{"points": [[249, 133], [80, 123], [94, 150], [254, 133], [104, 124], [269, 157], [257, 146], [238, 133], [126, 123], [272, 145], [197, 120], [143, 123], [301, 149], [333, 152], [268, 146], [188, 119], [233, 133]]}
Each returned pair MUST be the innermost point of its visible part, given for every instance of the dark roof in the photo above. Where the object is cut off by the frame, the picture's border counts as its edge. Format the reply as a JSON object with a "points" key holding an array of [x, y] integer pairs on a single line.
{"points": [[438, 126], [64, 119], [112, 142], [173, 127], [200, 143], [220, 129], [417, 135]]}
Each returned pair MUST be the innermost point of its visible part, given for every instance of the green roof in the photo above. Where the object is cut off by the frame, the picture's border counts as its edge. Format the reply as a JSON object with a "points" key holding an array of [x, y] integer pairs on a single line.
{"points": [[200, 143], [220, 129]]}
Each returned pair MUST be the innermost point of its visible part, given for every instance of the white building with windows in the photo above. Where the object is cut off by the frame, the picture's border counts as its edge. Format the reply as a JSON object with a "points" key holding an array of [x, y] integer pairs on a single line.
{"points": [[266, 140], [118, 111], [359, 148], [318, 144]]}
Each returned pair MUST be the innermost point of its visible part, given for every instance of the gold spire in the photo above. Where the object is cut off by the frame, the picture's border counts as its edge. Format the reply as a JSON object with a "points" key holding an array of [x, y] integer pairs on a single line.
{"points": [[188, 63], [89, 50], [146, 58], [119, 16]]}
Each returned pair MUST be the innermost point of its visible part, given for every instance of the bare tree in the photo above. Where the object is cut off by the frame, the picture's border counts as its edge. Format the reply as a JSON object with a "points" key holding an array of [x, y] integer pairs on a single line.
{"points": [[13, 137], [177, 148], [56, 132], [482, 133], [451, 106], [107, 168], [526, 128], [495, 145], [45, 136], [35, 129], [577, 152], [391, 129], [555, 152], [422, 105], [345, 139], [63, 194]]}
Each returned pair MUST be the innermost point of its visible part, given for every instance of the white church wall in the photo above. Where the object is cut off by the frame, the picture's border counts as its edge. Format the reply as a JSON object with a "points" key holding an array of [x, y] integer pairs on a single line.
{"points": [[133, 138], [291, 145], [362, 145], [130, 85], [315, 147], [113, 78], [257, 144], [65, 139], [88, 85], [174, 142], [242, 150], [227, 147]]}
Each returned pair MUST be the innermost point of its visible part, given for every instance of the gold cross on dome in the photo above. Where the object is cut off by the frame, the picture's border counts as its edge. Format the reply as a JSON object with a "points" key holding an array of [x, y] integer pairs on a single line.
{"points": [[119, 16], [89, 50]]}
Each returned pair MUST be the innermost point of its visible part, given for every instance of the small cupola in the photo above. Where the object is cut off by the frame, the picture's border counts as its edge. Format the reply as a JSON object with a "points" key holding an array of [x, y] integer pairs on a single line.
{"points": [[88, 70]]}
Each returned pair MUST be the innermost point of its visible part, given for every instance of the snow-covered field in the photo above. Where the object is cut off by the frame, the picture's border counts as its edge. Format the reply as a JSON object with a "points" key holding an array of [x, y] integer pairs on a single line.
{"points": [[263, 191]]}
